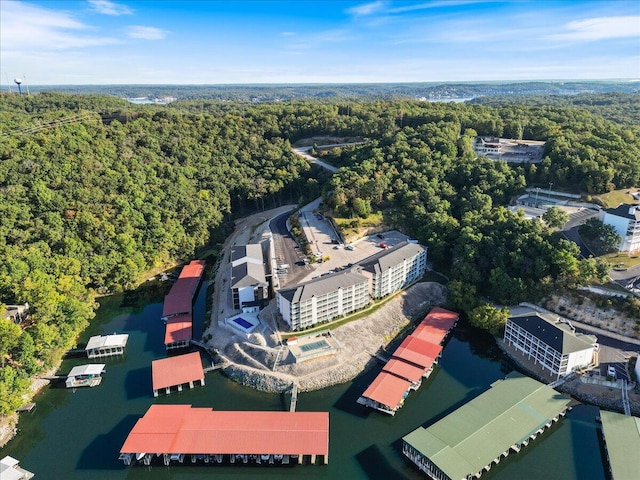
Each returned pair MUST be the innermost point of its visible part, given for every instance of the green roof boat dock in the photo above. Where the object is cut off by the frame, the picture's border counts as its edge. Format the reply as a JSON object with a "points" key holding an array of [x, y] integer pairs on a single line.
{"points": [[505, 418]]}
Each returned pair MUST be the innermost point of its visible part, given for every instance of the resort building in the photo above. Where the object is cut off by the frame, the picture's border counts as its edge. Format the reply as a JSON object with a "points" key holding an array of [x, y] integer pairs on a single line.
{"points": [[175, 372], [625, 218], [177, 311], [10, 470], [550, 342], [621, 436], [393, 269], [412, 360], [341, 293], [467, 442], [176, 432], [249, 286], [106, 345], [323, 299], [85, 375]]}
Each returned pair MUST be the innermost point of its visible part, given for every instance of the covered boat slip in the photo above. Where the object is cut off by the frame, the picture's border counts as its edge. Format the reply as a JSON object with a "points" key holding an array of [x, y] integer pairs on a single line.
{"points": [[411, 361], [85, 375], [467, 442], [176, 371], [386, 393], [106, 345], [174, 432], [621, 435], [178, 332], [177, 310]]}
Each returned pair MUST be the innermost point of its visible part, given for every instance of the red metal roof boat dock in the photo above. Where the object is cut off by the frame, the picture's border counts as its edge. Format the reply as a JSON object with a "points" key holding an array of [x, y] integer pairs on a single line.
{"points": [[175, 431], [412, 360], [176, 371]]}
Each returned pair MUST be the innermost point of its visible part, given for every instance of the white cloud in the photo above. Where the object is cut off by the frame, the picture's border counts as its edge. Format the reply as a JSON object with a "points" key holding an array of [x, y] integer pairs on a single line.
{"points": [[106, 7], [366, 9], [288, 34], [25, 27], [146, 33], [600, 28]]}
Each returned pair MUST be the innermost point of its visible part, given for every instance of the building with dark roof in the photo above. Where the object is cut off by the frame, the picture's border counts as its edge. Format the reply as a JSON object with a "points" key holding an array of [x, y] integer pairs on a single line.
{"points": [[550, 342], [625, 218], [344, 292], [249, 286], [323, 298]]}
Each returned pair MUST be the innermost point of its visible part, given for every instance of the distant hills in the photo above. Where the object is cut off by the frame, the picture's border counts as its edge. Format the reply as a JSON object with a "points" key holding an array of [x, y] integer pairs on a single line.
{"points": [[420, 91]]}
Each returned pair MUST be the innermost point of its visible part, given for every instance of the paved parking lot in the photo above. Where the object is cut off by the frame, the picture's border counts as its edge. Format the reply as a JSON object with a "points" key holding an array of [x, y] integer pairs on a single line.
{"points": [[325, 242]]}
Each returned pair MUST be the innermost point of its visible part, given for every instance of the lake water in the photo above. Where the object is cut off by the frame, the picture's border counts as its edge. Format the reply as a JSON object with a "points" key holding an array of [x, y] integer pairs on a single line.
{"points": [[78, 435]]}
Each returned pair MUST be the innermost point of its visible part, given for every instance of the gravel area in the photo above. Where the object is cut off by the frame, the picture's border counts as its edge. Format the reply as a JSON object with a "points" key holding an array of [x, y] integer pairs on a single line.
{"points": [[262, 362]]}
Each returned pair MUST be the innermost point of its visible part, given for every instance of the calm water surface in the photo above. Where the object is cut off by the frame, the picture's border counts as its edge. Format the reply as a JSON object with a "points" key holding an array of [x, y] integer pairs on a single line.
{"points": [[78, 435]]}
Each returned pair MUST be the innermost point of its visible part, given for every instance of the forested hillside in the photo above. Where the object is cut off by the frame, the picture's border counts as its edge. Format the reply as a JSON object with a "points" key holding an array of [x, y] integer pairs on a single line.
{"points": [[96, 191]]}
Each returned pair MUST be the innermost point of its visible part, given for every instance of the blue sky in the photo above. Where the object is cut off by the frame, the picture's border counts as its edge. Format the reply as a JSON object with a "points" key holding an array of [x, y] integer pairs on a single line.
{"points": [[230, 42]]}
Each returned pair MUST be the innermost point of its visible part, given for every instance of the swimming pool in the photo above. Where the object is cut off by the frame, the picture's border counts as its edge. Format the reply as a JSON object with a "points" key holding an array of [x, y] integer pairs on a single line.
{"points": [[314, 346], [243, 323]]}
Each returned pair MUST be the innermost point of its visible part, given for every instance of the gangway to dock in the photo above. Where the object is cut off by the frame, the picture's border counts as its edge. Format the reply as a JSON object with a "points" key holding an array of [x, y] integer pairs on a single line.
{"points": [[294, 397], [625, 399], [213, 366]]}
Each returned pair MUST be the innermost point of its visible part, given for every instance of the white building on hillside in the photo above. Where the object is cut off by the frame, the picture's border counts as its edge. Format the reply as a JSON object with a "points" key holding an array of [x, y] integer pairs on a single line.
{"points": [[323, 299], [345, 292], [391, 270], [625, 218], [550, 342]]}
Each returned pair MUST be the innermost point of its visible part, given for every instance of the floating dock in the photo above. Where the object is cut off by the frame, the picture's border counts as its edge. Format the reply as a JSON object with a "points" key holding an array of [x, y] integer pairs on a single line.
{"points": [[469, 441], [176, 372], [106, 345], [10, 470], [412, 361], [174, 433], [177, 311], [85, 375]]}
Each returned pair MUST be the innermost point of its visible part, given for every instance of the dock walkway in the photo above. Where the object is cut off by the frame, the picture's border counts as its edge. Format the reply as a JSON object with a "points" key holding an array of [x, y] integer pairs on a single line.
{"points": [[294, 398]]}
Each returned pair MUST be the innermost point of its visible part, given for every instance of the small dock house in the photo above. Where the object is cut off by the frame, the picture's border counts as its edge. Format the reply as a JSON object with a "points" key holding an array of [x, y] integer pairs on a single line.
{"points": [[176, 371], [85, 375], [106, 345], [10, 470]]}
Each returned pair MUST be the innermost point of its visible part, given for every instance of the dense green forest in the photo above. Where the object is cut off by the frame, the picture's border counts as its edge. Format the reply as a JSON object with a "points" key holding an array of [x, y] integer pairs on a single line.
{"points": [[95, 192]]}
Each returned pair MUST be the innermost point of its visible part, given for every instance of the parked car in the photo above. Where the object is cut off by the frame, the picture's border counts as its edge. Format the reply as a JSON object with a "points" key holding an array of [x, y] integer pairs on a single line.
{"points": [[349, 247], [383, 245]]}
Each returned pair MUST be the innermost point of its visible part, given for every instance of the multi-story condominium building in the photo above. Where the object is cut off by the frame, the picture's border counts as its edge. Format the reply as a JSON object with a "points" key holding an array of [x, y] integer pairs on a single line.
{"points": [[323, 298], [550, 342], [393, 269], [249, 286], [341, 293], [625, 218]]}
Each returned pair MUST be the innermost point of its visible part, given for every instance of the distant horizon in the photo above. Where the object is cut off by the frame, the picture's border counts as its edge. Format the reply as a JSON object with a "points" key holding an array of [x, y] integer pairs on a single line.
{"points": [[246, 42], [311, 84]]}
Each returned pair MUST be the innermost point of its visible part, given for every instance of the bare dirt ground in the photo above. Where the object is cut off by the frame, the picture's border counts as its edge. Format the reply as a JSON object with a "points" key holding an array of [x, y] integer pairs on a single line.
{"points": [[588, 313]]}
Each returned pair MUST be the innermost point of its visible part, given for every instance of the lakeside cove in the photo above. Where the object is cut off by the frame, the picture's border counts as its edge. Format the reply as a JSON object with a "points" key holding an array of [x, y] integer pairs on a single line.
{"points": [[363, 444]]}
